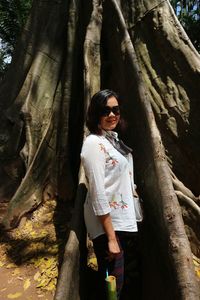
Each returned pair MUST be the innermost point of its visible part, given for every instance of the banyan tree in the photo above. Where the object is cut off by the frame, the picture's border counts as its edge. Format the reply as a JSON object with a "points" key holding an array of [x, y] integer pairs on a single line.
{"points": [[68, 50]]}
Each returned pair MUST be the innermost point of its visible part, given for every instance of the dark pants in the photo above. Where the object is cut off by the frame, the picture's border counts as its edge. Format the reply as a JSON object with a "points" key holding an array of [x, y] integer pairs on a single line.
{"points": [[125, 267]]}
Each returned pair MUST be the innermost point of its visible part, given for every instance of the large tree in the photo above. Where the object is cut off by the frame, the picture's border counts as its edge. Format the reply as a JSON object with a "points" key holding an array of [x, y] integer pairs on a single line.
{"points": [[70, 49]]}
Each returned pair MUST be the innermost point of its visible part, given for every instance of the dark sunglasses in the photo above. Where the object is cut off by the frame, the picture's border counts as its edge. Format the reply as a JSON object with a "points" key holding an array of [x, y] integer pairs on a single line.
{"points": [[107, 110]]}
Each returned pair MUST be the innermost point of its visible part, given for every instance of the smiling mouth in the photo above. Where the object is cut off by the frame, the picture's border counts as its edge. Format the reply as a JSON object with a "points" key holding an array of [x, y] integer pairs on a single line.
{"points": [[111, 120]]}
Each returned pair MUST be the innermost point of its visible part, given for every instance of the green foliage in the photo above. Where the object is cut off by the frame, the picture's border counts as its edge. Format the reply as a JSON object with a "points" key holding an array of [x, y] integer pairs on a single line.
{"points": [[188, 12], [13, 15], [3, 64]]}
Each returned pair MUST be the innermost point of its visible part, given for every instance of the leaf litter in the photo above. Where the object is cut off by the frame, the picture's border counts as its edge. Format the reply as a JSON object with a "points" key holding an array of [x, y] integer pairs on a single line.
{"points": [[30, 254]]}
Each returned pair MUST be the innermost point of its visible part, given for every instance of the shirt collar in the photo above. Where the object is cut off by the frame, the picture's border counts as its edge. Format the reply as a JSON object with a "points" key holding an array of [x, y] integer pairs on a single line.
{"points": [[110, 134]]}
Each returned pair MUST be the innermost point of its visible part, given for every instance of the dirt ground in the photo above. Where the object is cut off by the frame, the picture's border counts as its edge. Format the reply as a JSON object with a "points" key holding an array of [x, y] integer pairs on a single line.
{"points": [[28, 267], [24, 273], [30, 255], [19, 283]]}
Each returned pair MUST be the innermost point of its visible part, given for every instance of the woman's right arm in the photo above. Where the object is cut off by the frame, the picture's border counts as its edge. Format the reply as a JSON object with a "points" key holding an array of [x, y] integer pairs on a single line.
{"points": [[113, 245]]}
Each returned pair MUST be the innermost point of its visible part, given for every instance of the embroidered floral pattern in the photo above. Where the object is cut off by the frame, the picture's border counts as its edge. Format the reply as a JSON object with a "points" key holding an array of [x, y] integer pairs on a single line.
{"points": [[123, 204], [114, 204], [102, 147], [113, 160]]}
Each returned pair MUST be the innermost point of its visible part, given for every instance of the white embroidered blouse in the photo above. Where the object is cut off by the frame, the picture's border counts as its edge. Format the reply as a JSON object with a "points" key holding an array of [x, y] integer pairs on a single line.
{"points": [[110, 185]]}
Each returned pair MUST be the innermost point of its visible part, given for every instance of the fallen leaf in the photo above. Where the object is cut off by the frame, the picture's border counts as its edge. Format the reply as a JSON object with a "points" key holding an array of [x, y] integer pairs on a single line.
{"points": [[52, 285], [19, 277], [27, 283], [16, 272], [43, 233], [43, 283], [9, 266], [33, 233], [14, 296], [2, 264], [37, 275], [195, 263], [198, 273]]}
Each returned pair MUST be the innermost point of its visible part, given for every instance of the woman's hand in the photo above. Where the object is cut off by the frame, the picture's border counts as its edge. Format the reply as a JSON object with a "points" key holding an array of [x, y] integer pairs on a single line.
{"points": [[113, 246], [113, 249]]}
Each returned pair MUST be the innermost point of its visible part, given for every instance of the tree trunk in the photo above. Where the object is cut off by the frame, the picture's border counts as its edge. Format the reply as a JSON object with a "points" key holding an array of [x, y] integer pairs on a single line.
{"points": [[68, 51]]}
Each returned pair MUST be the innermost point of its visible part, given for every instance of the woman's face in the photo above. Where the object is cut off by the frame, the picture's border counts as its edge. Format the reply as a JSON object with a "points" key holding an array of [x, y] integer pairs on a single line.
{"points": [[110, 118]]}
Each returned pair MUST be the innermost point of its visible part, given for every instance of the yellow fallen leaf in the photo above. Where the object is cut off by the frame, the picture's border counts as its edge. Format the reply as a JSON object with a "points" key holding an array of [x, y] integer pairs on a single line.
{"points": [[28, 227], [16, 272], [17, 233], [27, 283], [14, 296], [49, 262], [2, 264], [43, 233], [196, 258], [9, 266], [20, 277], [53, 272], [198, 273], [33, 233], [51, 286], [37, 275], [43, 282], [195, 263]]}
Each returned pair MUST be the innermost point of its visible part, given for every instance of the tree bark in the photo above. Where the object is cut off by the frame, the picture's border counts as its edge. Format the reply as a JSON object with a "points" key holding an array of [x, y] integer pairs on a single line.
{"points": [[68, 51]]}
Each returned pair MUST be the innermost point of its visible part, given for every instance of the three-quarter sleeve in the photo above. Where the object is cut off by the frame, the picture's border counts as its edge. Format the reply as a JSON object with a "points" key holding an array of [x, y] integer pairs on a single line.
{"points": [[93, 157]]}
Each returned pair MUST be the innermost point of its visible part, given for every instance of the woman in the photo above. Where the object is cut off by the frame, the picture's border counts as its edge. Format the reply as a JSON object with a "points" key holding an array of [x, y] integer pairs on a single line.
{"points": [[109, 208]]}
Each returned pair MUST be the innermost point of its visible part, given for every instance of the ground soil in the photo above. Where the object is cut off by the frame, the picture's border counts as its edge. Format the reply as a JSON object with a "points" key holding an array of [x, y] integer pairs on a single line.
{"points": [[25, 264], [13, 284], [30, 254]]}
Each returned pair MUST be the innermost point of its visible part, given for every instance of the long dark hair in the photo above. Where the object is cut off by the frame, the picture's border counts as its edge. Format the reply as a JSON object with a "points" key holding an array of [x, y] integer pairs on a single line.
{"points": [[98, 102]]}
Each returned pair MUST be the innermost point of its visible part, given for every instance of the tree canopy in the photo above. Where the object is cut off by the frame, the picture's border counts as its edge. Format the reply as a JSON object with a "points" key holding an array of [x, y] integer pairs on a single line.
{"points": [[13, 15], [188, 12]]}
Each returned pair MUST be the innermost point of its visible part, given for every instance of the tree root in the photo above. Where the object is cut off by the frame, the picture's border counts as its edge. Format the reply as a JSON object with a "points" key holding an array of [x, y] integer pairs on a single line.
{"points": [[69, 280], [184, 194], [189, 201], [179, 186]]}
